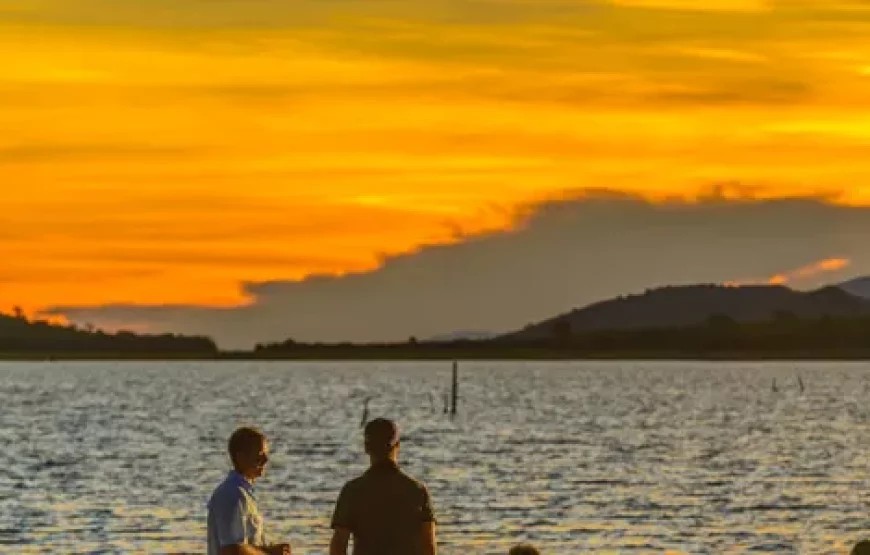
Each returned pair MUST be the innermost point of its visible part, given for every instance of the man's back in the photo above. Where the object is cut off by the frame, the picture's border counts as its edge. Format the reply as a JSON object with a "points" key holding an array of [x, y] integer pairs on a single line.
{"points": [[385, 510]]}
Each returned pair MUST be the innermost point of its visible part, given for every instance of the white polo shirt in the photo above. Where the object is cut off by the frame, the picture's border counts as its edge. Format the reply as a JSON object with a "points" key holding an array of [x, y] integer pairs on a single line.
{"points": [[233, 518]]}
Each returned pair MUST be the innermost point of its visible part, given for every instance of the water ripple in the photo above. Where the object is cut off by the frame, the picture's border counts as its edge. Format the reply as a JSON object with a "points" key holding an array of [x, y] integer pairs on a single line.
{"points": [[576, 457]]}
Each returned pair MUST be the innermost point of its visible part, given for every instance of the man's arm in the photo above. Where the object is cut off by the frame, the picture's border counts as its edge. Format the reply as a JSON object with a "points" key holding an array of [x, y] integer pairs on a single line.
{"points": [[283, 549], [231, 524], [340, 539], [242, 550], [342, 522], [430, 543], [427, 514]]}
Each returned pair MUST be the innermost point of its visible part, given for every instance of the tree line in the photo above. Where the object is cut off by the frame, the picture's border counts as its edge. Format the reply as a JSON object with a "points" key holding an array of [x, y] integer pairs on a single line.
{"points": [[21, 335], [782, 335]]}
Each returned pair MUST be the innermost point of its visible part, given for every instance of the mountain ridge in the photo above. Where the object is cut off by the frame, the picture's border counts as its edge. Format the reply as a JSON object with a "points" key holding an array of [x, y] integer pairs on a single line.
{"points": [[690, 305], [860, 287]]}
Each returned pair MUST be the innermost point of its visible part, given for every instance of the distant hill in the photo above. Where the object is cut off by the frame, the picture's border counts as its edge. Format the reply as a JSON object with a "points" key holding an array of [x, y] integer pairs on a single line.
{"points": [[461, 336], [18, 335], [685, 306], [860, 287]]}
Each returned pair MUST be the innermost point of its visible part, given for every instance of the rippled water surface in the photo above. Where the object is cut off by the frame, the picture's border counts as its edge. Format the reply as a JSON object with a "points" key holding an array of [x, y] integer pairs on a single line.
{"points": [[576, 457]]}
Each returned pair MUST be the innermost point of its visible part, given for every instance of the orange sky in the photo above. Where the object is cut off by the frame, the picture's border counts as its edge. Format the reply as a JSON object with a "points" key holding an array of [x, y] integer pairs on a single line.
{"points": [[158, 151]]}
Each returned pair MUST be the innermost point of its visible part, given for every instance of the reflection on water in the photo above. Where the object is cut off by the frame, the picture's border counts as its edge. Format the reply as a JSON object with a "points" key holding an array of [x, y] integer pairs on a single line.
{"points": [[576, 457]]}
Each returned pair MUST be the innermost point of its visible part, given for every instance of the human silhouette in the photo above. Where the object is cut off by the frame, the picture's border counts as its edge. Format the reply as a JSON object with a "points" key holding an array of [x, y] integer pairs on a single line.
{"points": [[385, 511], [235, 526]]}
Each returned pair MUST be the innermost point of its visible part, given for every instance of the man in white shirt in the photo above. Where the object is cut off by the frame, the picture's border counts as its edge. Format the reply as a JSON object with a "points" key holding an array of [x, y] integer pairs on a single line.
{"points": [[235, 526]]}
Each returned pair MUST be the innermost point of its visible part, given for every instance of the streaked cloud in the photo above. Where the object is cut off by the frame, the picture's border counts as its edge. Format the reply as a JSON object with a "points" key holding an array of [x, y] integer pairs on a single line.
{"points": [[171, 150], [692, 5], [800, 275]]}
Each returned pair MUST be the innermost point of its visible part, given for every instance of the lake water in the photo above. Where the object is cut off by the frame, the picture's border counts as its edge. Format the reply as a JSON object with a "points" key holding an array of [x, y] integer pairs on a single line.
{"points": [[617, 457]]}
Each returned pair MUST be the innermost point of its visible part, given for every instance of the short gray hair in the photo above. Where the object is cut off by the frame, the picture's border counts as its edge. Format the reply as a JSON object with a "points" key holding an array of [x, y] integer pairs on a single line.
{"points": [[243, 439]]}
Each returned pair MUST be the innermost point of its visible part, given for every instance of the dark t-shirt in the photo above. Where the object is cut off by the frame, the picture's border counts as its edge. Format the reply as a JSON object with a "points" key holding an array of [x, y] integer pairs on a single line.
{"points": [[385, 509]]}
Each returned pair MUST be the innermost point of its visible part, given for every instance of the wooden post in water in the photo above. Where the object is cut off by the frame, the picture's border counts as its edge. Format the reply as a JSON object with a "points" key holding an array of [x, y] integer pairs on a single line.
{"points": [[365, 416], [455, 392]]}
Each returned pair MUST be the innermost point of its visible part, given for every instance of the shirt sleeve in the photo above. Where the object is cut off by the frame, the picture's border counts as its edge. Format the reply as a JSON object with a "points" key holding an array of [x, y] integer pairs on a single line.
{"points": [[427, 513], [342, 517], [231, 523]]}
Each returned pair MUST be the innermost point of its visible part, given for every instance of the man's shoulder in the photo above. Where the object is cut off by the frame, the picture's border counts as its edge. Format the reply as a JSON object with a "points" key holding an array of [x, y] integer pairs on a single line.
{"points": [[412, 482], [356, 483], [369, 480], [229, 492]]}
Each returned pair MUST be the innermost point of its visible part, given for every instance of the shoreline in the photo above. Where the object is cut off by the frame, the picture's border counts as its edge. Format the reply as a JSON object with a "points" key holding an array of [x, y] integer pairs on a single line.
{"points": [[381, 354]]}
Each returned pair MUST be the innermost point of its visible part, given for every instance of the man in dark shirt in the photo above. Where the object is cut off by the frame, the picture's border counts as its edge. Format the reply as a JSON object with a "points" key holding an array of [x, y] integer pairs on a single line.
{"points": [[386, 511], [524, 549]]}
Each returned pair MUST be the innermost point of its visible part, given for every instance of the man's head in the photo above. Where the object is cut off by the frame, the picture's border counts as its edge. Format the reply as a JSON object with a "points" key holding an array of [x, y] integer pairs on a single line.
{"points": [[524, 549], [861, 548], [382, 439], [249, 452]]}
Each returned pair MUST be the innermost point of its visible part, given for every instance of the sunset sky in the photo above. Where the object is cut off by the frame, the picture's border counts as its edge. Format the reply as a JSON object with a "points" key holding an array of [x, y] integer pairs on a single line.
{"points": [[190, 152]]}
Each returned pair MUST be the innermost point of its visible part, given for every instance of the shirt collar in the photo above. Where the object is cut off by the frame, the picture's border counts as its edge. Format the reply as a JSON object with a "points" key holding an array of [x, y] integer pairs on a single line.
{"points": [[386, 465], [236, 478]]}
